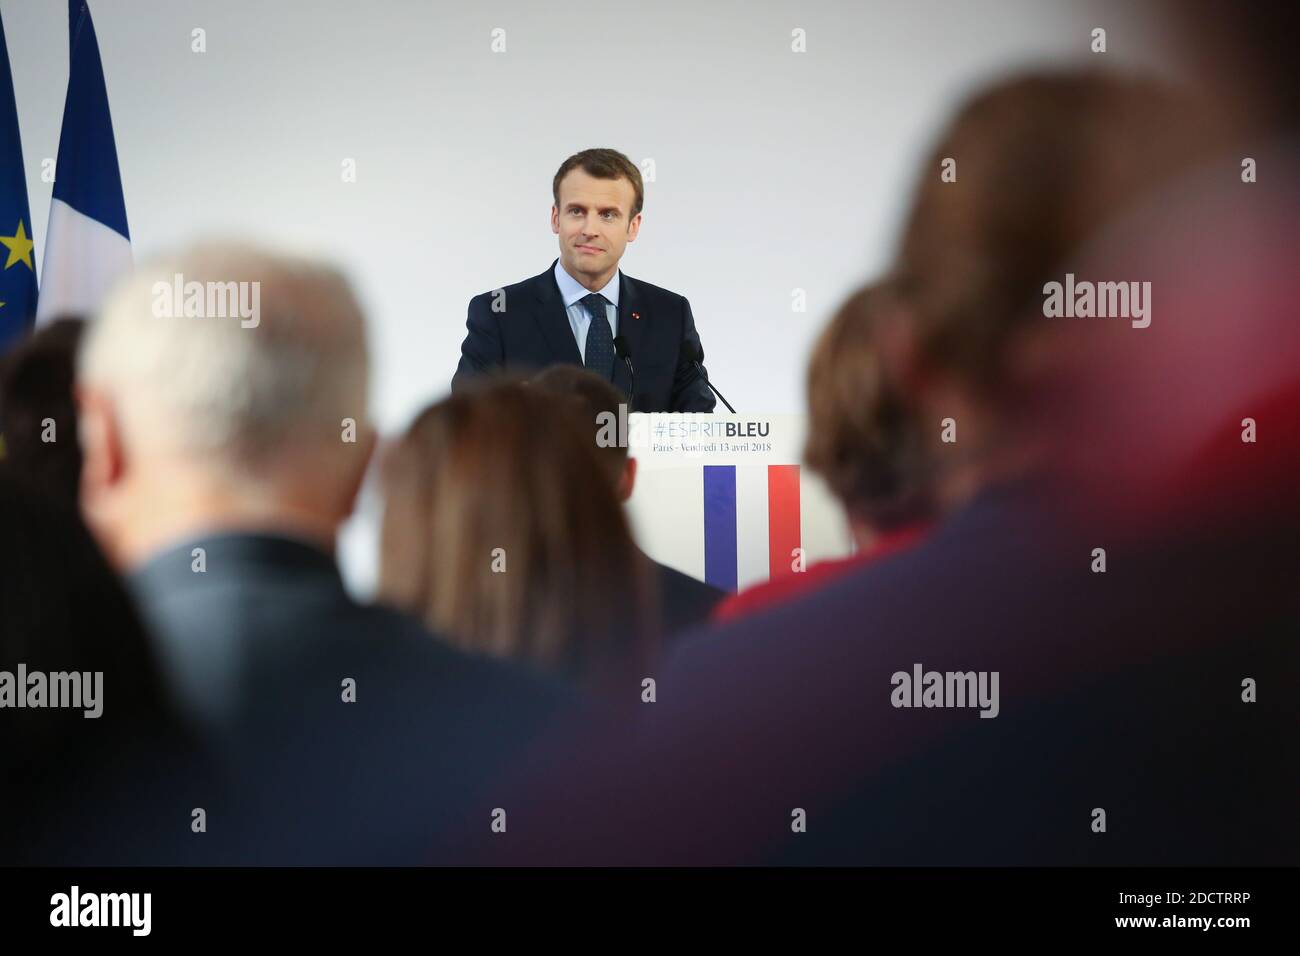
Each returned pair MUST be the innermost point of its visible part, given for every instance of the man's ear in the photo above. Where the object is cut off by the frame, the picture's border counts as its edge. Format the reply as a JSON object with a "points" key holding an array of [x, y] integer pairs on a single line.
{"points": [[633, 228], [627, 481], [555, 220], [100, 434], [364, 449]]}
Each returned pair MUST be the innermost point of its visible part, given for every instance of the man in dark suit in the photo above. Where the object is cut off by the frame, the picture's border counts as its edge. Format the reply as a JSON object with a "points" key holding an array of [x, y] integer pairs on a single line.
{"points": [[683, 600], [353, 734], [573, 311]]}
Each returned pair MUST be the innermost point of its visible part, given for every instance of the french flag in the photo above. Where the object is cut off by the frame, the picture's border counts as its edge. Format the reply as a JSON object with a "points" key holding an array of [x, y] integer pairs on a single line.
{"points": [[767, 542], [87, 243]]}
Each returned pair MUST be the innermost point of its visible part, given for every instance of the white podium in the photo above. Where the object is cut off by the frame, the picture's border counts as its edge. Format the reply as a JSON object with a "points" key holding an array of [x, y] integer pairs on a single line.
{"points": [[724, 498]]}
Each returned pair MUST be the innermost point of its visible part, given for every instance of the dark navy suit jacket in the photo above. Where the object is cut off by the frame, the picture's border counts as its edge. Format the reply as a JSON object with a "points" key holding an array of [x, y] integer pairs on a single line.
{"points": [[524, 326], [684, 601], [258, 646]]}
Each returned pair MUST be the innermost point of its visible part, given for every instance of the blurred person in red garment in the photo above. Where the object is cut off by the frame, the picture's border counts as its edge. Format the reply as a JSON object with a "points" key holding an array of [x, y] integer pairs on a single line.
{"points": [[863, 440]]}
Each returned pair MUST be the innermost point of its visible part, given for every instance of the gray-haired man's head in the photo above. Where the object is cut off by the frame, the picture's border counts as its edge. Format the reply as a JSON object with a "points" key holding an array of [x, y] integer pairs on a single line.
{"points": [[223, 387]]}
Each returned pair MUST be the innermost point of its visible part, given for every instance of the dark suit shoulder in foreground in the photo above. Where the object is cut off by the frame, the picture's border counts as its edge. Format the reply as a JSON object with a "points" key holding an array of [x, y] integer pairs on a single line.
{"points": [[684, 601], [1119, 691], [356, 735]]}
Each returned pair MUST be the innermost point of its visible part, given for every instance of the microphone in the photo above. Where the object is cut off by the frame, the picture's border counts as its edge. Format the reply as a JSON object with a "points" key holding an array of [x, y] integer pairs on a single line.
{"points": [[623, 352], [695, 355]]}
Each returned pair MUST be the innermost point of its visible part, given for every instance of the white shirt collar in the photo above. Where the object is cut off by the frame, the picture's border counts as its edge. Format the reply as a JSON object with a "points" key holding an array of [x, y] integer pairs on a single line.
{"points": [[571, 290]]}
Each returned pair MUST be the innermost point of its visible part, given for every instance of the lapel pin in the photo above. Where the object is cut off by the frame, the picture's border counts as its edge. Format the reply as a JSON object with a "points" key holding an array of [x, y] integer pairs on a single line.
{"points": [[636, 315]]}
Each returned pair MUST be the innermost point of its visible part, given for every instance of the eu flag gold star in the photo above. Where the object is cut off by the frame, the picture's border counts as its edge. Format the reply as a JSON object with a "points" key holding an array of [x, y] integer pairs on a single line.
{"points": [[19, 246]]}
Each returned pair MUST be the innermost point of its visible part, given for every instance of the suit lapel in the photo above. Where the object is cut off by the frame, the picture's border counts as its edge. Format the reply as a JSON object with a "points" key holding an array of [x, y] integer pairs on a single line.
{"points": [[553, 320], [632, 320]]}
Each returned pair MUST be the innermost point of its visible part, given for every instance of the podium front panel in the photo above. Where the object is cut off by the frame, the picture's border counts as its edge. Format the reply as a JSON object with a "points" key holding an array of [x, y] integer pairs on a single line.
{"points": [[724, 498]]}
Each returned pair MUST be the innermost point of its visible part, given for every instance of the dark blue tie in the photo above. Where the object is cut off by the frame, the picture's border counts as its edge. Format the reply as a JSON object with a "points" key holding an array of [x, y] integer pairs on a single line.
{"points": [[599, 356]]}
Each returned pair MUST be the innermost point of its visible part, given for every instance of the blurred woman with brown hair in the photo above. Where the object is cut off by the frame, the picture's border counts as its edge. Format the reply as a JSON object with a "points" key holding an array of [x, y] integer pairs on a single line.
{"points": [[864, 442], [502, 533]]}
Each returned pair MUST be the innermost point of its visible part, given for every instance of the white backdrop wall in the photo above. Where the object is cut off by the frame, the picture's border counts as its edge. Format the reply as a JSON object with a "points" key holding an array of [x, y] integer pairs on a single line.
{"points": [[775, 170]]}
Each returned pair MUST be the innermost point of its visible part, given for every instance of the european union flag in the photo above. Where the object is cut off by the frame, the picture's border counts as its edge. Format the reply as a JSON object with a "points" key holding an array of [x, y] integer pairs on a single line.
{"points": [[18, 265]]}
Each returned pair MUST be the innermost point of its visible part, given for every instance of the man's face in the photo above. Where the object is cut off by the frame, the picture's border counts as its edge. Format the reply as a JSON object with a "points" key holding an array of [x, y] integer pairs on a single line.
{"points": [[594, 222]]}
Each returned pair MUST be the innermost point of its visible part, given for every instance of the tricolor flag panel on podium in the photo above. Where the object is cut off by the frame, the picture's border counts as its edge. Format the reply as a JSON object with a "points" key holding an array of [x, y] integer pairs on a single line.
{"points": [[769, 542], [87, 243], [730, 509]]}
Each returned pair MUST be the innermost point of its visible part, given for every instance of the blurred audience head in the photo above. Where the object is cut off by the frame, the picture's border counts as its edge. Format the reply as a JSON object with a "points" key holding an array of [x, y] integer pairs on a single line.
{"points": [[38, 418], [223, 387], [594, 400], [502, 530], [1036, 166], [862, 437]]}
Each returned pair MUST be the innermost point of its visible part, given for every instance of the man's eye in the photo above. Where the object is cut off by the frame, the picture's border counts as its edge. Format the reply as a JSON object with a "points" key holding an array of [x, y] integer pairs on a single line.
{"points": [[607, 215]]}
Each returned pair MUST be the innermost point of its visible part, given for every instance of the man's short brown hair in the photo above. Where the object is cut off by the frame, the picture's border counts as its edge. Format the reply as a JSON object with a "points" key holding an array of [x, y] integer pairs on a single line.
{"points": [[603, 164]]}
